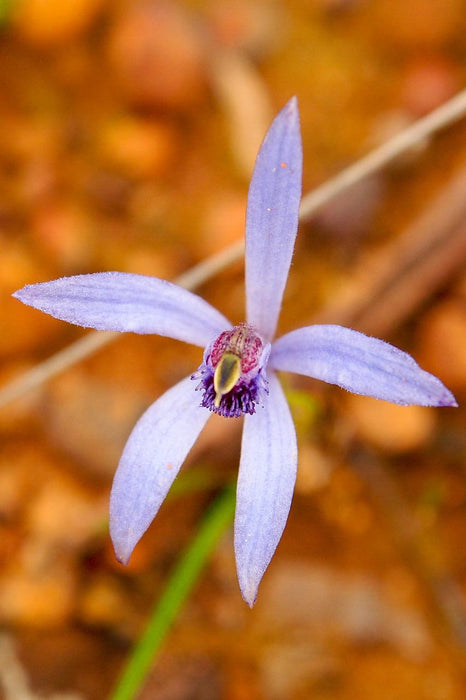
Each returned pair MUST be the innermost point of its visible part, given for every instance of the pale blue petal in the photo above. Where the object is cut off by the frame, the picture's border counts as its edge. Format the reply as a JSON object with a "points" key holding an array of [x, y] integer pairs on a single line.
{"points": [[121, 301], [272, 219], [359, 364], [152, 457], [266, 481]]}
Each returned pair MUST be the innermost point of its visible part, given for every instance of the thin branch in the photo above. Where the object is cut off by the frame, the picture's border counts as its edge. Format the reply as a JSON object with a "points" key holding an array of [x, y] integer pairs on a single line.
{"points": [[54, 365], [388, 285], [208, 268], [442, 117], [446, 114]]}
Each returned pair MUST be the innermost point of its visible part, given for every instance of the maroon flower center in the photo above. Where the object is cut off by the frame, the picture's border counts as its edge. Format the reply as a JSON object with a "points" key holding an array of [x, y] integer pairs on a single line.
{"points": [[232, 376], [242, 341]]}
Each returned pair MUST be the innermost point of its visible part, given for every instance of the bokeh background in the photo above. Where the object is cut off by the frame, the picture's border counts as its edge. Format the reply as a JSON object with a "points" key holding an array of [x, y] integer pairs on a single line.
{"points": [[128, 133]]}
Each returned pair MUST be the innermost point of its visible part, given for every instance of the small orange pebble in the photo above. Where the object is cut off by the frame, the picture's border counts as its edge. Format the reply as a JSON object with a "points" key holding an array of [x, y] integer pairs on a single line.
{"points": [[137, 148], [416, 23], [428, 81], [62, 232], [36, 595], [223, 222], [393, 428], [244, 26], [102, 603], [158, 57], [45, 23], [442, 339], [64, 514]]}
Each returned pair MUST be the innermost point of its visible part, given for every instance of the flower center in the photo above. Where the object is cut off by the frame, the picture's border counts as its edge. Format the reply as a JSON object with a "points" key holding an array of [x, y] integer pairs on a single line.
{"points": [[226, 375], [232, 375]]}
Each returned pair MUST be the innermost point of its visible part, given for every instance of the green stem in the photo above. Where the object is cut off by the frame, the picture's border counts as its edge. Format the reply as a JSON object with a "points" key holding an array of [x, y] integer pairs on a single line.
{"points": [[182, 581]]}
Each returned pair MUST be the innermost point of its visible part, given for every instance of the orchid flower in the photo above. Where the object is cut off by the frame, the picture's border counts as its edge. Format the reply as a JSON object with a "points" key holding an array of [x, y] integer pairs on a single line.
{"points": [[238, 373]]}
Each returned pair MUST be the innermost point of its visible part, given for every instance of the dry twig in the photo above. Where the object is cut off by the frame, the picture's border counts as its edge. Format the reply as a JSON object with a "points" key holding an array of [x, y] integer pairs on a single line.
{"points": [[385, 289]]}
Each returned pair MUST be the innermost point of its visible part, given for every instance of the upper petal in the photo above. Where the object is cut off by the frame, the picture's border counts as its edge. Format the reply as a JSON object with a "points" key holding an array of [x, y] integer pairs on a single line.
{"points": [[272, 219], [121, 301], [152, 457], [359, 363], [266, 481]]}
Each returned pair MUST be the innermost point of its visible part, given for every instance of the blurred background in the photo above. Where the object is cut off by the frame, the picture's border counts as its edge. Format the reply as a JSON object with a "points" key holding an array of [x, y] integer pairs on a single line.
{"points": [[127, 139]]}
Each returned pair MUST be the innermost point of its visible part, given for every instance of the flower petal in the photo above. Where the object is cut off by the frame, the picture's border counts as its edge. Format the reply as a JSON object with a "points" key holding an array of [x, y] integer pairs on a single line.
{"points": [[360, 364], [265, 487], [152, 457], [121, 301], [272, 219]]}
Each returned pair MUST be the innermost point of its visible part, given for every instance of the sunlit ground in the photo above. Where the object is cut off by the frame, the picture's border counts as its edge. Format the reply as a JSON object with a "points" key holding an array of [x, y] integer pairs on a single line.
{"points": [[128, 135]]}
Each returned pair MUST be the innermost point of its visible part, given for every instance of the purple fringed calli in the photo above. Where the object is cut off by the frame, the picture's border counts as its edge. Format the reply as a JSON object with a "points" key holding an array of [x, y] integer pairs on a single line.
{"points": [[237, 375]]}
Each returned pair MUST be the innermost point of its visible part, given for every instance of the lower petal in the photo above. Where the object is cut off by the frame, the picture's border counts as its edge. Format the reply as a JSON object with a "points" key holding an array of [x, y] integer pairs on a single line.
{"points": [[360, 364], [265, 487], [152, 457]]}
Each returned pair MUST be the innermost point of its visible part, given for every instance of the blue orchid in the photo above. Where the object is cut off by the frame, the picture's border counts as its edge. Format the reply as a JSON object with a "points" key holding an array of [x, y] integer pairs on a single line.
{"points": [[238, 372]]}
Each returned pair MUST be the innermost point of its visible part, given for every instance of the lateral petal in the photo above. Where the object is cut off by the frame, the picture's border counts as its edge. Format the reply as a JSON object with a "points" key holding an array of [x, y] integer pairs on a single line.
{"points": [[266, 481], [121, 301], [151, 459], [360, 364], [272, 219]]}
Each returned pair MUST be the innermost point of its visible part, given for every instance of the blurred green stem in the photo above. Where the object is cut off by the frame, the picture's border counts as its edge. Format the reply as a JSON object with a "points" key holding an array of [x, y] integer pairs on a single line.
{"points": [[218, 518]]}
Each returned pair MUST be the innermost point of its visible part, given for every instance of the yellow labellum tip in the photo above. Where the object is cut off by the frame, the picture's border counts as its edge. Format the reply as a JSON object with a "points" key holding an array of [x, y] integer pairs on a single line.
{"points": [[226, 375]]}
